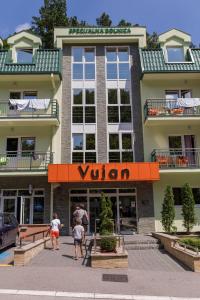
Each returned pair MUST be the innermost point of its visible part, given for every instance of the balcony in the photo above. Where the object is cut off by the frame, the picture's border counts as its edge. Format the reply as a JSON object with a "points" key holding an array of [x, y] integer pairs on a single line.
{"points": [[163, 112], [174, 159], [23, 111], [25, 161]]}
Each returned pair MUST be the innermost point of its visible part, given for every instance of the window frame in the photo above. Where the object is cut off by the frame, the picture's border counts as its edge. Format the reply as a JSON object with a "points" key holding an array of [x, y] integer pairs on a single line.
{"points": [[117, 62], [84, 105], [84, 63], [120, 150], [119, 105], [84, 150], [24, 50]]}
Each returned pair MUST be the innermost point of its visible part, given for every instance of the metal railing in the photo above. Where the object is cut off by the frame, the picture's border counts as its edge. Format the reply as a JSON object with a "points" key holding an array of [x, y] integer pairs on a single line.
{"points": [[177, 158], [119, 240], [168, 108], [187, 247], [9, 111], [25, 160]]}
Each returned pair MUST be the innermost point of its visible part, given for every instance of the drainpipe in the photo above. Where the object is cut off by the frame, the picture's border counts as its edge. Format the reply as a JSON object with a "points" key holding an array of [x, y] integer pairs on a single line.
{"points": [[53, 81], [51, 201]]}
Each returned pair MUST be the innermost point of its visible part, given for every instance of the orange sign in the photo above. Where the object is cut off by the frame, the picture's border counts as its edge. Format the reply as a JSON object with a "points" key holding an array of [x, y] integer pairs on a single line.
{"points": [[103, 172]]}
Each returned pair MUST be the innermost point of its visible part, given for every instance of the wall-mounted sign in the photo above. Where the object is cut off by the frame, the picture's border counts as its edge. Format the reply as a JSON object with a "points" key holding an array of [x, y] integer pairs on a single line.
{"points": [[103, 172], [96, 31]]}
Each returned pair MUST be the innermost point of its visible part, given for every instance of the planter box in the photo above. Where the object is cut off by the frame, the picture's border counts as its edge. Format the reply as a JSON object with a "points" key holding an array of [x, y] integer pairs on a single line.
{"points": [[109, 260]]}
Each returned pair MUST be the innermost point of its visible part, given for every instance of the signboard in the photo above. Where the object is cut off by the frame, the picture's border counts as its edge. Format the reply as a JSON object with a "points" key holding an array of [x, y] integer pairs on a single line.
{"points": [[103, 31], [103, 172]]}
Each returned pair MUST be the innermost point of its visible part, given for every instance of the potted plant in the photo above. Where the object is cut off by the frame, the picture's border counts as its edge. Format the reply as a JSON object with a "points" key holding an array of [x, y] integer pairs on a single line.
{"points": [[108, 241]]}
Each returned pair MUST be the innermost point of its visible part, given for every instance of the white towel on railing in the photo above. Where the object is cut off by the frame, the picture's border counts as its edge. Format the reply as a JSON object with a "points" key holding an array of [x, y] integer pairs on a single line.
{"points": [[188, 102], [21, 104], [39, 103]]}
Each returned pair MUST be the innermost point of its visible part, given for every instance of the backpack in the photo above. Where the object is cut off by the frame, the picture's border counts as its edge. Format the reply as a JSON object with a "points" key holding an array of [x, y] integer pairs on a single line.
{"points": [[84, 220]]}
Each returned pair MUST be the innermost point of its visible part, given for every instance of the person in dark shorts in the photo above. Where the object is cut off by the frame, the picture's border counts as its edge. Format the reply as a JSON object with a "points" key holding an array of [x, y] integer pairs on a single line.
{"points": [[78, 235]]}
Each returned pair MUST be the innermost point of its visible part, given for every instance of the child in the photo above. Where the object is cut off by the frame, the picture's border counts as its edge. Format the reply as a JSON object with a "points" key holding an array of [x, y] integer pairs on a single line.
{"points": [[55, 228], [78, 234]]}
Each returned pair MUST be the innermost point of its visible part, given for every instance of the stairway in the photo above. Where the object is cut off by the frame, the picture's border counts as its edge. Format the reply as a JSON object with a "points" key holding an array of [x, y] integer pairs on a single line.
{"points": [[141, 242]]}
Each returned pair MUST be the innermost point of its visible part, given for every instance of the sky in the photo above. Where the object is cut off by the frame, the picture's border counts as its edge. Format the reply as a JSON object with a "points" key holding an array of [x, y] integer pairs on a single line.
{"points": [[157, 15]]}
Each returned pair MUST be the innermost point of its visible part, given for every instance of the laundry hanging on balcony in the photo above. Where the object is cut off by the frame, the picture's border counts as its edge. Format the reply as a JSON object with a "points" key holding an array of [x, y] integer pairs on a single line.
{"points": [[29, 104], [188, 102]]}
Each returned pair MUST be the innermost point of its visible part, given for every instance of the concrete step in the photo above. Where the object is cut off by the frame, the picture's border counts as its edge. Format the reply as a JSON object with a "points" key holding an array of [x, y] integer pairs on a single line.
{"points": [[143, 246], [135, 240]]}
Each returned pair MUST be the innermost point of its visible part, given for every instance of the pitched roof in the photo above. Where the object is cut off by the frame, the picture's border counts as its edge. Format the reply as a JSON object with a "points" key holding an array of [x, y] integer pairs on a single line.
{"points": [[153, 61], [44, 62]]}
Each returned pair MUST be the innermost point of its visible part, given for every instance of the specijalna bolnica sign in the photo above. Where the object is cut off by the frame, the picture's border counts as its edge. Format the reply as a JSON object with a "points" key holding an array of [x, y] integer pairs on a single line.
{"points": [[96, 31]]}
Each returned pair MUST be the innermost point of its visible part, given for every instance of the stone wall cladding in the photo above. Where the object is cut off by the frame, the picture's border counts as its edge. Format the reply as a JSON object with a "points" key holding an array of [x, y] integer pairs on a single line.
{"points": [[136, 103], [101, 104], [66, 107], [22, 182]]}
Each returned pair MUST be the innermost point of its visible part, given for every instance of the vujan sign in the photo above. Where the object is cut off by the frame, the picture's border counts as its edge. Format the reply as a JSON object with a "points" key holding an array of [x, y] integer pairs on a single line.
{"points": [[96, 31], [103, 172]]}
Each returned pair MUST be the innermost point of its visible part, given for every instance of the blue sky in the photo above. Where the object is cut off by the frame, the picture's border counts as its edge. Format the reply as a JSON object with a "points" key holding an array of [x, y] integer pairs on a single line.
{"points": [[157, 15]]}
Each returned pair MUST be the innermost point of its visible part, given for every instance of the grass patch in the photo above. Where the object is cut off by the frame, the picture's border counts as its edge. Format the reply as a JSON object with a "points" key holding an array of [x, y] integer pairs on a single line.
{"points": [[192, 241]]}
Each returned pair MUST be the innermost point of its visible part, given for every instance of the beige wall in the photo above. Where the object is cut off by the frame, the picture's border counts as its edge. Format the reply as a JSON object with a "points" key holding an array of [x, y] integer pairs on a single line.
{"points": [[43, 136], [175, 180]]}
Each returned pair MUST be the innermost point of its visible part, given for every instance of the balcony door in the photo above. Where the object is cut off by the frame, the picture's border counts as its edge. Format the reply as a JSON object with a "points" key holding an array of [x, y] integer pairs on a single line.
{"points": [[183, 146]]}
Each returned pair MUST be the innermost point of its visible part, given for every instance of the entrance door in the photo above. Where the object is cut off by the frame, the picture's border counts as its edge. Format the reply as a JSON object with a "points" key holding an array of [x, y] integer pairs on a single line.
{"points": [[128, 214], [12, 147], [25, 211]]}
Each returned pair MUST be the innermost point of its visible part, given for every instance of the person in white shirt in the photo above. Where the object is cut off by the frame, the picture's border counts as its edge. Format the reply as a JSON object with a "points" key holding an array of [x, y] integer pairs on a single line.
{"points": [[55, 232], [78, 235]]}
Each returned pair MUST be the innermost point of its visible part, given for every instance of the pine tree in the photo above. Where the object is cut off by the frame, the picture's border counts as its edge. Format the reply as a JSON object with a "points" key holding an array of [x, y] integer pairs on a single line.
{"points": [[188, 205], [53, 13], [168, 210], [104, 20], [124, 23], [152, 41], [106, 215]]}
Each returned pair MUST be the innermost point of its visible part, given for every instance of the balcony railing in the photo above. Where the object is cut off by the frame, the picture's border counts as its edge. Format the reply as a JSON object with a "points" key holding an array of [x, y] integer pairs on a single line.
{"points": [[168, 108], [177, 158], [10, 111], [25, 161]]}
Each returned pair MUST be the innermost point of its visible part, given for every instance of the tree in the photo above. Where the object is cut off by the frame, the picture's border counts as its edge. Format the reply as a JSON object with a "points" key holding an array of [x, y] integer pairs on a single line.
{"points": [[124, 23], [188, 204], [106, 215], [104, 20], [168, 210], [53, 13], [152, 41]]}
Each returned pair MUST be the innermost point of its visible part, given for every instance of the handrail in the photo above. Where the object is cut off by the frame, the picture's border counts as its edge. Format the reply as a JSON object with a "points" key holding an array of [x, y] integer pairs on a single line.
{"points": [[34, 235], [9, 111], [189, 247]]}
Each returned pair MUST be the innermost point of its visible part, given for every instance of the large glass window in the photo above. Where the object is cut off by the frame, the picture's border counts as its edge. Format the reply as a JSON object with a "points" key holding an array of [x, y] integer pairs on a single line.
{"points": [[117, 63], [119, 106], [83, 63], [178, 197], [83, 109], [24, 56], [84, 148], [120, 147], [175, 54]]}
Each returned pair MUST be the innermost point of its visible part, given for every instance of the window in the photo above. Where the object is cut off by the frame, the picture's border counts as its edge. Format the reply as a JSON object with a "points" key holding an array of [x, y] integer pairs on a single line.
{"points": [[83, 109], [178, 198], [24, 56], [174, 95], [84, 148], [120, 147], [23, 95], [117, 63], [175, 54], [38, 210], [27, 146], [24, 146], [83, 63], [119, 106]]}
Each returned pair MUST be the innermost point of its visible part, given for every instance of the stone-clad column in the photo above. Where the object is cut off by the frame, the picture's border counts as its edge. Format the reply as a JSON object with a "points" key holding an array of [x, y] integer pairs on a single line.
{"points": [[101, 105]]}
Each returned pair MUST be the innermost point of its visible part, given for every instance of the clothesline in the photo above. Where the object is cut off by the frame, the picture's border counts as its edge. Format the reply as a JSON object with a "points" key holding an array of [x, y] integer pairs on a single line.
{"points": [[183, 102], [23, 104]]}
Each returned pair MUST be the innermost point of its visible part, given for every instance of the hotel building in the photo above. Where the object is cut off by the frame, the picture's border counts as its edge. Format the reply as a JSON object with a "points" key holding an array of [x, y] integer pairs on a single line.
{"points": [[97, 114]]}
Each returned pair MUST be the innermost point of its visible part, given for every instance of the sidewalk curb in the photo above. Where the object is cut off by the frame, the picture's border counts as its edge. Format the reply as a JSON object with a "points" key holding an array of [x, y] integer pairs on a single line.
{"points": [[74, 295]]}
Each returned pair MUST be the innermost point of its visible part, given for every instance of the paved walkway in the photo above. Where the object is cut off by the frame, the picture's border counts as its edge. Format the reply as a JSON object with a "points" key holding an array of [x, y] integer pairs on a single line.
{"points": [[151, 272]]}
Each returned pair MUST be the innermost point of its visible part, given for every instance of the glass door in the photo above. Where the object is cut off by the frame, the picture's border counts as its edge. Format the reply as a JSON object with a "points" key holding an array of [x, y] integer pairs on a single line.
{"points": [[10, 205], [128, 214], [25, 210], [76, 201]]}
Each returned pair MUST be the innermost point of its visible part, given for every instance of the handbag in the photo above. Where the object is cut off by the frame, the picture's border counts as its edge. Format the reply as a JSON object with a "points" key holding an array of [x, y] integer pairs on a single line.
{"points": [[84, 220]]}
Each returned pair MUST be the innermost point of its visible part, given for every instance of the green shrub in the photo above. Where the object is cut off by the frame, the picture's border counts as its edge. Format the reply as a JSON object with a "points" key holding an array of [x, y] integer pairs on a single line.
{"points": [[168, 210], [194, 242], [106, 215], [188, 211], [108, 244]]}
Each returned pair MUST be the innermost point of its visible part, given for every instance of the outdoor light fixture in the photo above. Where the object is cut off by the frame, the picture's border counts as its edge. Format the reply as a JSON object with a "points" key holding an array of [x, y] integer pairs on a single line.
{"points": [[30, 189]]}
